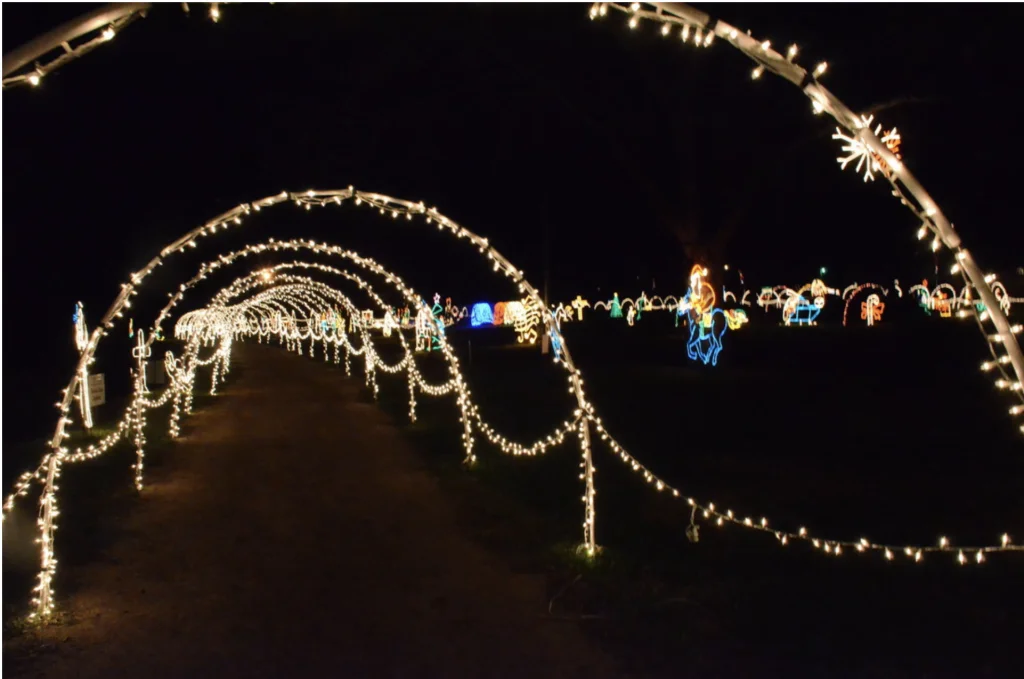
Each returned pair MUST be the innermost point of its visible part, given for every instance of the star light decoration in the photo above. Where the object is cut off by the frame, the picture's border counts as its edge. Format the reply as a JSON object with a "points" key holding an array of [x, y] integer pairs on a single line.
{"points": [[867, 160]]}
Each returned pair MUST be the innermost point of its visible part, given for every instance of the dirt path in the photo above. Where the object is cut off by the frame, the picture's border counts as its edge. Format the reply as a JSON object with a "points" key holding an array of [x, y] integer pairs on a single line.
{"points": [[294, 532]]}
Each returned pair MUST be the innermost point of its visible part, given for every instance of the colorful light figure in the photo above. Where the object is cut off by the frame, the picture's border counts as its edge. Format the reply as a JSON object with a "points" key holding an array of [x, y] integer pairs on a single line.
{"points": [[481, 314], [616, 307], [499, 313], [706, 334], [579, 304], [707, 323], [798, 309], [437, 316], [851, 293], [556, 340], [525, 318], [871, 309]]}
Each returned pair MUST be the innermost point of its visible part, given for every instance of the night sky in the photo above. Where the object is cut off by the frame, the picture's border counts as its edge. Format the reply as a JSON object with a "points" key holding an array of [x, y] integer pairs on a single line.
{"points": [[633, 152]]}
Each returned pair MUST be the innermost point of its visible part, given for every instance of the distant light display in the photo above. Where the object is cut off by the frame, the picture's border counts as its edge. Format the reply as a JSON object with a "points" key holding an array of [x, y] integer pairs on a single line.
{"points": [[481, 314]]}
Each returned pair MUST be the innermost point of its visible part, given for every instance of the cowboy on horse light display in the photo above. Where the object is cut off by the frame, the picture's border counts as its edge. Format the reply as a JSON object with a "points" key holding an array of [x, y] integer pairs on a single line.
{"points": [[707, 323]]}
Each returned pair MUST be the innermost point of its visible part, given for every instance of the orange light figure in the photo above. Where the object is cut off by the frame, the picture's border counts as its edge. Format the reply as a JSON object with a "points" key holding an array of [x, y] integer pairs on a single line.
{"points": [[871, 310], [702, 295], [891, 139]]}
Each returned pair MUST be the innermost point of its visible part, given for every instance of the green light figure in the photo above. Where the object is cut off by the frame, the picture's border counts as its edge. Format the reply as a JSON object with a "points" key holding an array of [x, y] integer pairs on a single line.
{"points": [[437, 313], [616, 307], [640, 304]]}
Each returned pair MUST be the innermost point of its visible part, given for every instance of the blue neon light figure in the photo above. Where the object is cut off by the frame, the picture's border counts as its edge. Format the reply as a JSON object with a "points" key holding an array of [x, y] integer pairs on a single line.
{"points": [[481, 314], [556, 339], [803, 312], [707, 323]]}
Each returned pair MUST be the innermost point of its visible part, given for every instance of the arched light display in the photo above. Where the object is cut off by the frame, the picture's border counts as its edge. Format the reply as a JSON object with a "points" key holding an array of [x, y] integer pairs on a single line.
{"points": [[287, 324], [704, 31]]}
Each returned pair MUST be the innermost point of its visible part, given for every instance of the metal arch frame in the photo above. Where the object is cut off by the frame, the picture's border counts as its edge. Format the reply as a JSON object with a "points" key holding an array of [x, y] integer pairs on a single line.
{"points": [[108, 15]]}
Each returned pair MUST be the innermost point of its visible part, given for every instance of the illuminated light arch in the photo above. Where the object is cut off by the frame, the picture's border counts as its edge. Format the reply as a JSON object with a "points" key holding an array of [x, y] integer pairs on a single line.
{"points": [[584, 416], [861, 143], [50, 467], [905, 187]]}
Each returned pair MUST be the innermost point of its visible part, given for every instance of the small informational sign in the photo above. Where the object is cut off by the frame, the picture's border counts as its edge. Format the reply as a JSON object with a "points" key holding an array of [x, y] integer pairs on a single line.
{"points": [[97, 390], [155, 373]]}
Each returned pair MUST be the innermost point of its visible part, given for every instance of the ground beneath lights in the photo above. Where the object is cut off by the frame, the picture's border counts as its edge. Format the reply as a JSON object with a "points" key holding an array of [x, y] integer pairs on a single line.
{"points": [[294, 531]]}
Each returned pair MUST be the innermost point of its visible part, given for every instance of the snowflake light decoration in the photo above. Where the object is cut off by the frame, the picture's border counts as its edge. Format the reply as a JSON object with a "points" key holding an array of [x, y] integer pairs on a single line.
{"points": [[867, 160]]}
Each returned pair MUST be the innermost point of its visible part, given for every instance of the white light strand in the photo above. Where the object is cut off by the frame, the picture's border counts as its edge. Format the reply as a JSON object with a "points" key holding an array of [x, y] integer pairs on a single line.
{"points": [[40, 68], [861, 144], [182, 371]]}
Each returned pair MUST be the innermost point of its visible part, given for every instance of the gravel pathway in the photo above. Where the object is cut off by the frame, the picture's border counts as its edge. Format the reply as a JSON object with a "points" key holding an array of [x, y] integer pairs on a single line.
{"points": [[294, 532]]}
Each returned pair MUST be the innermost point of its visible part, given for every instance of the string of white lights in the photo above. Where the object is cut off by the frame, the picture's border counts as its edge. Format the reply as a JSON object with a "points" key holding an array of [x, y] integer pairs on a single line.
{"points": [[51, 51], [183, 373], [831, 546], [861, 144]]}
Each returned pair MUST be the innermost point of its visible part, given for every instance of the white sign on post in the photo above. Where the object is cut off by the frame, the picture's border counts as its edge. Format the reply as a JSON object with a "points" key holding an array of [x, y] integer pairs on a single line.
{"points": [[97, 390]]}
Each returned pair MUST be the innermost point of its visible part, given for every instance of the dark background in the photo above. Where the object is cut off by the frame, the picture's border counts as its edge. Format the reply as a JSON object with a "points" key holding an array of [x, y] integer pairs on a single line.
{"points": [[635, 153]]}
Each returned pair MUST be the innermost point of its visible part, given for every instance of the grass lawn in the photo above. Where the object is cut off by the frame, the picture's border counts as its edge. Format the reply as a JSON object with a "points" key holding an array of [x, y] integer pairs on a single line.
{"points": [[889, 432]]}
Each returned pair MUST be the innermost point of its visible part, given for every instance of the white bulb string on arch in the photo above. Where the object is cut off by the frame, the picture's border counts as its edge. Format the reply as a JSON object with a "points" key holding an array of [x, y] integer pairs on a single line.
{"points": [[62, 45], [50, 467], [183, 381], [964, 554], [873, 153], [905, 187], [936, 223]]}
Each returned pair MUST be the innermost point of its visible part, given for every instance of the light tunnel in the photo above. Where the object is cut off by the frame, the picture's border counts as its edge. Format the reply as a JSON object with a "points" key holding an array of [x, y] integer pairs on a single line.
{"points": [[284, 302], [241, 311]]}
